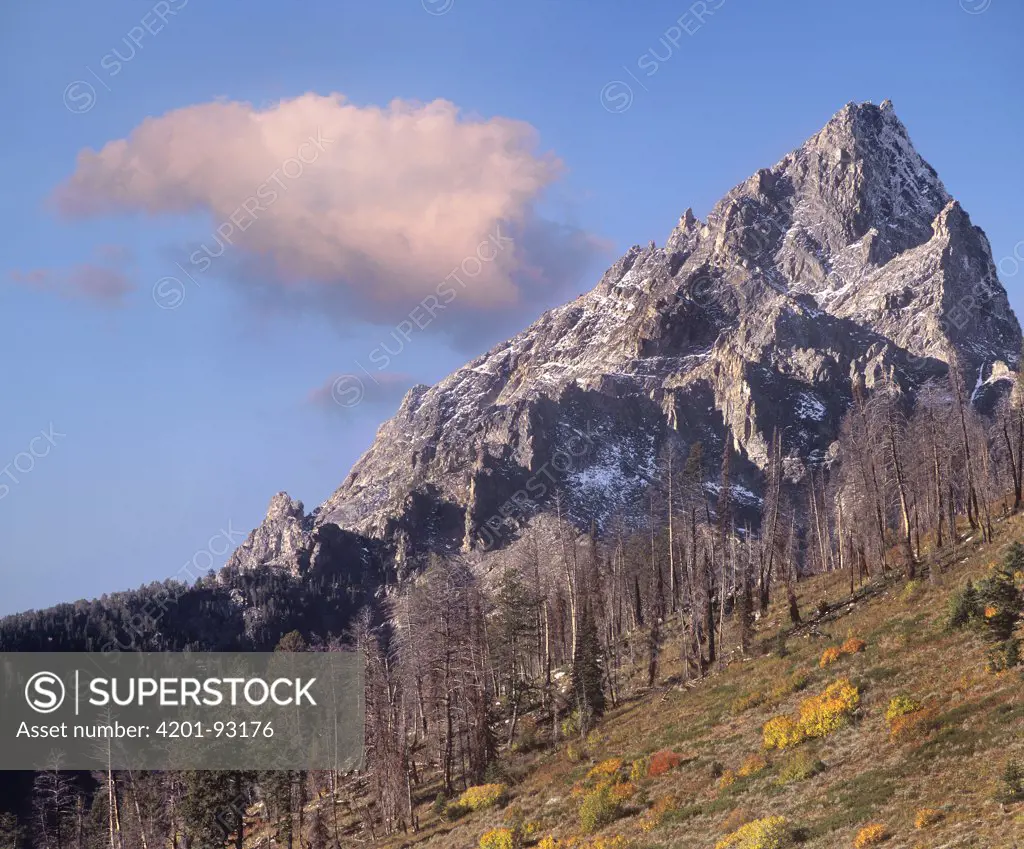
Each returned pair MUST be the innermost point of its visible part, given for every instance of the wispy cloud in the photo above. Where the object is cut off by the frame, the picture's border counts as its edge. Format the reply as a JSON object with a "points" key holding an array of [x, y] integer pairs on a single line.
{"points": [[104, 281], [345, 391], [390, 200]]}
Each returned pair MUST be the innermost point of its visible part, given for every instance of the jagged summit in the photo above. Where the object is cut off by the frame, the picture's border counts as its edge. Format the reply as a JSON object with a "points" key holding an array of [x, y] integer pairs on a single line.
{"points": [[847, 259]]}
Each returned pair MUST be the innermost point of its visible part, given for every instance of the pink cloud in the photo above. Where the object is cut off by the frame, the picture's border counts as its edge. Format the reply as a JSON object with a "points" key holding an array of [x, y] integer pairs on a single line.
{"points": [[87, 280], [380, 206], [346, 391]]}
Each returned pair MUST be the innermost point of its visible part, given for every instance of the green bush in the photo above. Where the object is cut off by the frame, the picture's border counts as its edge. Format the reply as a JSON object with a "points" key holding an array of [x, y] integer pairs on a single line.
{"points": [[598, 809], [963, 607], [799, 766], [1004, 656], [1000, 600], [1013, 781], [994, 605], [455, 811], [793, 683], [572, 724], [440, 803]]}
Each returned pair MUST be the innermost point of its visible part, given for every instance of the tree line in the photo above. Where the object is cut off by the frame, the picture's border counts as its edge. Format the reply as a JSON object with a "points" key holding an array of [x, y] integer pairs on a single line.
{"points": [[468, 660]]}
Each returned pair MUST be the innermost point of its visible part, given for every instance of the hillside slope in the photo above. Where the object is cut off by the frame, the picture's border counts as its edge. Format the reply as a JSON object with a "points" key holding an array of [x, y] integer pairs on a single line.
{"points": [[948, 761]]}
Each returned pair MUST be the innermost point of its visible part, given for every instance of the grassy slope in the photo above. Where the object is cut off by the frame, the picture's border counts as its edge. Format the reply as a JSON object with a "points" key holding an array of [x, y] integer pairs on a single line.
{"points": [[867, 778]]}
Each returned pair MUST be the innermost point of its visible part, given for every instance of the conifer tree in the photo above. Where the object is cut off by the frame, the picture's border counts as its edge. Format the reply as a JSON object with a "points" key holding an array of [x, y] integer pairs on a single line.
{"points": [[587, 675]]}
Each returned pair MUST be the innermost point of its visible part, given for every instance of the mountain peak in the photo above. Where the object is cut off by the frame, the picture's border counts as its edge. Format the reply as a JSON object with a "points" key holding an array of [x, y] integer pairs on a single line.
{"points": [[952, 217], [867, 117], [843, 260]]}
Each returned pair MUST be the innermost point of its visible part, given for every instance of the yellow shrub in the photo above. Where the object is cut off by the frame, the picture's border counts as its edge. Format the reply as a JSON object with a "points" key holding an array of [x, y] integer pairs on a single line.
{"points": [[616, 842], [752, 766], [926, 817], [728, 779], [901, 705], [767, 833], [829, 656], [781, 732], [605, 769], [821, 715], [871, 835], [500, 838], [598, 809], [853, 645], [638, 772], [483, 796], [549, 842]]}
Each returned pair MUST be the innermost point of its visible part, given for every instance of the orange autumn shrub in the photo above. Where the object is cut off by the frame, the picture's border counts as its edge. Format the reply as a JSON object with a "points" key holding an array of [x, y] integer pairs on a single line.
{"points": [[605, 769], [661, 762], [830, 656], [752, 766], [853, 646], [871, 835], [623, 792], [926, 817], [912, 727], [656, 814]]}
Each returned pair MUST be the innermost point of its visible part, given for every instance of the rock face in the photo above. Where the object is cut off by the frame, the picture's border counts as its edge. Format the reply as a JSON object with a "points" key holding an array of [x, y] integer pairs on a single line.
{"points": [[847, 260], [282, 540]]}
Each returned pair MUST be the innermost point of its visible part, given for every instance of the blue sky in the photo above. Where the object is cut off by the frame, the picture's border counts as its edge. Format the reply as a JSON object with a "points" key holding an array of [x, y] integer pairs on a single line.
{"points": [[134, 434]]}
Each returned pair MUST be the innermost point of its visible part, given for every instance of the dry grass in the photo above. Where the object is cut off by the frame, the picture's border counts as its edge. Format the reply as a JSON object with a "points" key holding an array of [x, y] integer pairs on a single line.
{"points": [[855, 776]]}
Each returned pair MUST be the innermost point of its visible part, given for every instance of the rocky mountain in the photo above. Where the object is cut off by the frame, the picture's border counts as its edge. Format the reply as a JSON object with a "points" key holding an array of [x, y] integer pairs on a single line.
{"points": [[847, 260]]}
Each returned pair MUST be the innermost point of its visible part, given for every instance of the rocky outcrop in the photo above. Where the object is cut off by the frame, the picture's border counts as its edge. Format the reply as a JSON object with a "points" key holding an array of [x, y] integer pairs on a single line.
{"points": [[283, 539], [847, 260]]}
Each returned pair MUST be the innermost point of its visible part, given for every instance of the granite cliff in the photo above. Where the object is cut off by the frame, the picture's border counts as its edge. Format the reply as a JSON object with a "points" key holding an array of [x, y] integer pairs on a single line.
{"points": [[847, 261]]}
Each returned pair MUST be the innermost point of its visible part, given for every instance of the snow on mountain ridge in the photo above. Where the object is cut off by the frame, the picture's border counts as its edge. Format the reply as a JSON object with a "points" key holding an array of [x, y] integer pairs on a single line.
{"points": [[846, 260]]}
